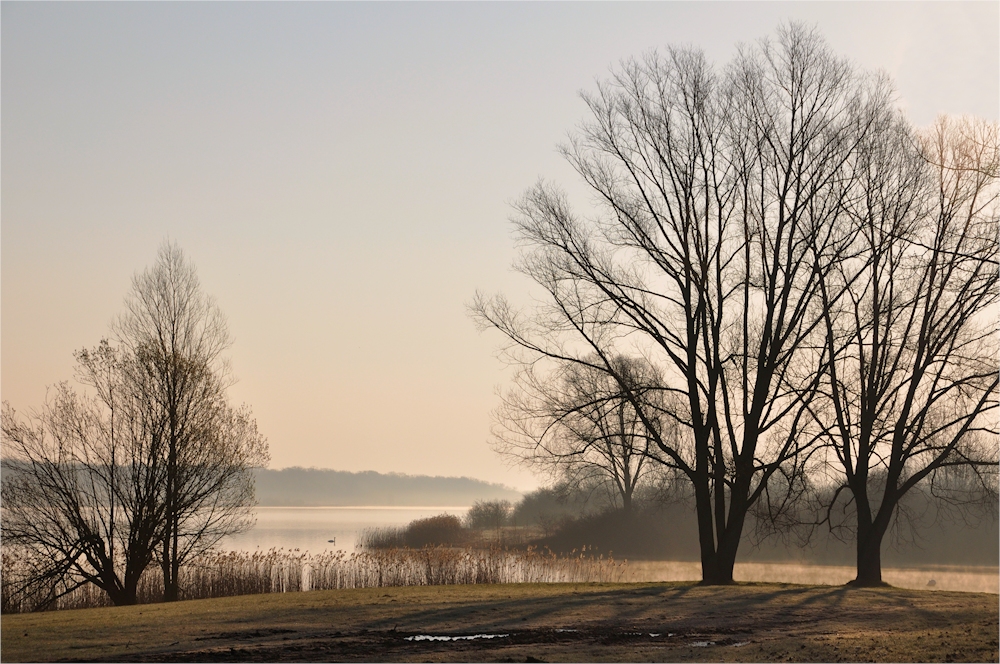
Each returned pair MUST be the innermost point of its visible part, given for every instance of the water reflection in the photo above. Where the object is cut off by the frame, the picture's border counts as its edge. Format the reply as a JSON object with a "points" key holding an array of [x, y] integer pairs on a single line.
{"points": [[312, 528]]}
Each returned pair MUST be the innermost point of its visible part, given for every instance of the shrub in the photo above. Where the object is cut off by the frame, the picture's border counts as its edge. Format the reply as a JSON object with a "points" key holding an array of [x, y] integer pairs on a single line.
{"points": [[443, 529]]}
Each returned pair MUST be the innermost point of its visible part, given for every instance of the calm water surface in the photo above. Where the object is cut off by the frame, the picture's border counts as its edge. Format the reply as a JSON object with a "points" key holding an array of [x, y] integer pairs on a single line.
{"points": [[311, 528]]}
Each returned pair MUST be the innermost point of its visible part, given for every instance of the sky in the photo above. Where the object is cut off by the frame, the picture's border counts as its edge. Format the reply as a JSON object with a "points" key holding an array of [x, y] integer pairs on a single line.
{"points": [[341, 176]]}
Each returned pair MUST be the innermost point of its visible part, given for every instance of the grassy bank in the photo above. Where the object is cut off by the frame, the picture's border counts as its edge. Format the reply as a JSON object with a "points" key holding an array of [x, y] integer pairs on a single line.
{"points": [[554, 622]]}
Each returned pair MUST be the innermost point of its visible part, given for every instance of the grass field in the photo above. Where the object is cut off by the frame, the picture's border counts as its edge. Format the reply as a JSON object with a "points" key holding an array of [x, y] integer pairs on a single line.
{"points": [[528, 622], [946, 577]]}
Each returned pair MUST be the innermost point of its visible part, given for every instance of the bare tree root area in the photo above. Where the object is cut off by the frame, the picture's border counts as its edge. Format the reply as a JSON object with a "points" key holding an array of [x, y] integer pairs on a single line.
{"points": [[528, 623]]}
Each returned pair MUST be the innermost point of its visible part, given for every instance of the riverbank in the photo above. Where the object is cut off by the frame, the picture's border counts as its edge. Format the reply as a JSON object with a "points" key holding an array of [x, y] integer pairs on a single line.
{"points": [[527, 622]]}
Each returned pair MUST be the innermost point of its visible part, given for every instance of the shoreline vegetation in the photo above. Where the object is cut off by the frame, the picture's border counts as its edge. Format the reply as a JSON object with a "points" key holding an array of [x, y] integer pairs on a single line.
{"points": [[486, 547], [234, 573]]}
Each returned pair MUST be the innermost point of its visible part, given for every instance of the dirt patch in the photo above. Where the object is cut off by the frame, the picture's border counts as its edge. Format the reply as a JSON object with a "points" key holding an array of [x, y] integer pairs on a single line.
{"points": [[555, 622]]}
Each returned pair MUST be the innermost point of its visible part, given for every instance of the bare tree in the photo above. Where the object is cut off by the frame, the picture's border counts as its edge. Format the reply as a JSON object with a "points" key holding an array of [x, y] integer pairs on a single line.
{"points": [[579, 426], [156, 466], [721, 199], [489, 514], [911, 395], [82, 491], [176, 335]]}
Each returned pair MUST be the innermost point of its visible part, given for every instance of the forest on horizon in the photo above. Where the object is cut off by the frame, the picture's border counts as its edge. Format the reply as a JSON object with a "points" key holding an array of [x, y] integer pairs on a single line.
{"points": [[318, 487]]}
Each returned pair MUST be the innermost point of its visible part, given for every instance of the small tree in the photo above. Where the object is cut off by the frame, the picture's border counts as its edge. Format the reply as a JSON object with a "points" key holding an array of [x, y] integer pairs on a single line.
{"points": [[440, 530], [581, 427], [488, 514]]}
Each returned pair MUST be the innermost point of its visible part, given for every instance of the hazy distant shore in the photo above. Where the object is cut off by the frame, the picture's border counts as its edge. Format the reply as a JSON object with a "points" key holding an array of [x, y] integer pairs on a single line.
{"points": [[314, 487]]}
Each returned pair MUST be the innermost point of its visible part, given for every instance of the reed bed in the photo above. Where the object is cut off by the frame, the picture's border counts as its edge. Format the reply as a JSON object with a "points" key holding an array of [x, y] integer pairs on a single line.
{"points": [[445, 566], [224, 574]]}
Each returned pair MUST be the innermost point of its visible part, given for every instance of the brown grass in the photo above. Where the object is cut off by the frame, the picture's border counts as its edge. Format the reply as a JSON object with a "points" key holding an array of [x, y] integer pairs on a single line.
{"points": [[551, 622]]}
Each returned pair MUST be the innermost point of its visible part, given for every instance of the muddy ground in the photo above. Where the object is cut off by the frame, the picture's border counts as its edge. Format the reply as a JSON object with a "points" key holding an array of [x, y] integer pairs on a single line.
{"points": [[557, 622]]}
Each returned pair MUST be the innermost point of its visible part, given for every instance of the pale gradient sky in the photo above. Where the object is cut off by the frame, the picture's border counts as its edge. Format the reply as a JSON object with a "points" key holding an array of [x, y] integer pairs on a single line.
{"points": [[340, 174]]}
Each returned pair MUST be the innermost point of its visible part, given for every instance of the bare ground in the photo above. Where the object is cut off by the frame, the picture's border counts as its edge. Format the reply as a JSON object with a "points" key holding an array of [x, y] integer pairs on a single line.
{"points": [[545, 622]]}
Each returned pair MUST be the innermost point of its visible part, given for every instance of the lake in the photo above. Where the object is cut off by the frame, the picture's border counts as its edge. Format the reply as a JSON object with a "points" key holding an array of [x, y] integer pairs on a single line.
{"points": [[311, 528]]}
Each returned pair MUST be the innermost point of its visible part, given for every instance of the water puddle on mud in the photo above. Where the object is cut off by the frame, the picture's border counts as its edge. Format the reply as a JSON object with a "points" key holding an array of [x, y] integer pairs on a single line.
{"points": [[470, 637], [724, 642]]}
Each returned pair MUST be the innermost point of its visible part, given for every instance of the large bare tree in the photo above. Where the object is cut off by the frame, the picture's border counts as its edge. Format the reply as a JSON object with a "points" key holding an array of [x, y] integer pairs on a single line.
{"points": [[911, 396], [721, 197]]}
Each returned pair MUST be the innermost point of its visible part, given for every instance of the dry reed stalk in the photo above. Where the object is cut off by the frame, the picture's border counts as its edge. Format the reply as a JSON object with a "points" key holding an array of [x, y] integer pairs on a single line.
{"points": [[228, 573]]}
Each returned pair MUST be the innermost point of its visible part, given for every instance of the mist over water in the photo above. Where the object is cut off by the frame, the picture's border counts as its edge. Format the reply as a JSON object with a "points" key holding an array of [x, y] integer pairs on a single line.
{"points": [[311, 528], [963, 578]]}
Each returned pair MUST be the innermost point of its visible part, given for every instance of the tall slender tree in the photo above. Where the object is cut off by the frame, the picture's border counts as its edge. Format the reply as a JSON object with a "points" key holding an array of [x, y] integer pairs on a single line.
{"points": [[176, 335]]}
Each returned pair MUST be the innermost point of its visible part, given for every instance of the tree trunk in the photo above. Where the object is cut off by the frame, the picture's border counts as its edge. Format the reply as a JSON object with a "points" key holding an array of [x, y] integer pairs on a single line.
{"points": [[717, 562], [170, 566], [117, 592], [717, 566], [706, 535], [718, 571], [175, 568], [869, 555], [123, 597], [170, 539], [132, 577]]}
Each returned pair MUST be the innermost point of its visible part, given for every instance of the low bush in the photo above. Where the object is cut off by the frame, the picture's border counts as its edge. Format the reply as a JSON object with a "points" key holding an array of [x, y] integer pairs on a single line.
{"points": [[440, 530], [647, 533]]}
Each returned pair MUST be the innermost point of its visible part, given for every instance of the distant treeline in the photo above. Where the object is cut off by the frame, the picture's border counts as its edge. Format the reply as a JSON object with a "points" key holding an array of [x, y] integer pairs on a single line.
{"points": [[314, 487], [661, 529]]}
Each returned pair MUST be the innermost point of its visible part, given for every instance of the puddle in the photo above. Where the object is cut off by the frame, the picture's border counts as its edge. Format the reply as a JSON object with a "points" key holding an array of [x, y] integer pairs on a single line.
{"points": [[431, 637], [740, 643], [702, 644]]}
